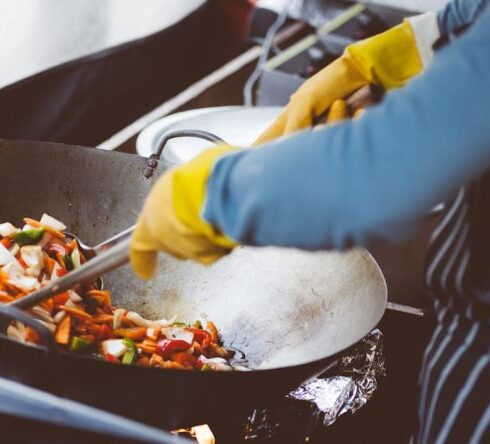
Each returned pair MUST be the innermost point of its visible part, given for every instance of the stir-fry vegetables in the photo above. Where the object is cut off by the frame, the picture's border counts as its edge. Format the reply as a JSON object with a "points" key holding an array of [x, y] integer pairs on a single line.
{"points": [[83, 319]]}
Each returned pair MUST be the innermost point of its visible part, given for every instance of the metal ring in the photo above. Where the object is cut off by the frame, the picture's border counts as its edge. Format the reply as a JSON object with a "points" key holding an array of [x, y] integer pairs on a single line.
{"points": [[14, 314], [152, 162]]}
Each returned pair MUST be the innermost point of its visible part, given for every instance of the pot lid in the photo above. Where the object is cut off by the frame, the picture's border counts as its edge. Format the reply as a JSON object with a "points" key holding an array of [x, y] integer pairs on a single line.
{"points": [[237, 125]]}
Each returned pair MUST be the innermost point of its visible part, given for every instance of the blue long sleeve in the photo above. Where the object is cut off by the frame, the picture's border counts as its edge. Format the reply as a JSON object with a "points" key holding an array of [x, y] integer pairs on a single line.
{"points": [[459, 13], [371, 180]]}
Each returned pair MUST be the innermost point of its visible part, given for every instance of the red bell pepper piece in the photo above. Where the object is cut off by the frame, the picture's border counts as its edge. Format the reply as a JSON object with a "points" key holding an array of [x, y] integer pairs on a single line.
{"points": [[201, 336], [110, 358], [166, 347], [105, 332]]}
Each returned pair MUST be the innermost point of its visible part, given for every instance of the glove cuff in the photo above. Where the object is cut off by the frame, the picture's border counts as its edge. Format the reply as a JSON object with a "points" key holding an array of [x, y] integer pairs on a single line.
{"points": [[426, 32]]}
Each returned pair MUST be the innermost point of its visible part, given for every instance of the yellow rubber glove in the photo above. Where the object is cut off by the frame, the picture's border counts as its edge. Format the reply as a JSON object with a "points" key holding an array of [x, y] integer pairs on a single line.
{"points": [[389, 60], [171, 218]]}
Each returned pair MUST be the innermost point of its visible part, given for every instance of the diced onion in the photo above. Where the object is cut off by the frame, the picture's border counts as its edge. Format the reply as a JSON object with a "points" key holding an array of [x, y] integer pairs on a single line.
{"points": [[117, 317], [6, 256], [178, 333], [14, 333], [7, 229], [46, 219], [140, 321], [41, 313], [17, 276], [114, 347], [45, 240], [74, 296], [32, 255], [59, 316]]}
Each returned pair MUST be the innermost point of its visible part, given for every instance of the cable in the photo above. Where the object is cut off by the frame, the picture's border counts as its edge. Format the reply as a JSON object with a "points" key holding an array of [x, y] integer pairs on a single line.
{"points": [[248, 98]]}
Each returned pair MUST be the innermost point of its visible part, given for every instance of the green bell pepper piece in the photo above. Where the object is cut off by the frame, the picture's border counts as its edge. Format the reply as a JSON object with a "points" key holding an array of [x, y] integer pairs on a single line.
{"points": [[206, 368], [131, 354], [68, 263], [78, 344], [29, 237]]}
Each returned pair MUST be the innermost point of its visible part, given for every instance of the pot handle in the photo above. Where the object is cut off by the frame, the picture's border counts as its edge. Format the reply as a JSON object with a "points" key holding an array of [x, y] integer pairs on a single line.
{"points": [[10, 313], [155, 157]]}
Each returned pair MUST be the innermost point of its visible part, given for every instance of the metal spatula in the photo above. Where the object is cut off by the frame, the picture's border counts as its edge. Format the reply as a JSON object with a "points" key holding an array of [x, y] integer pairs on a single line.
{"points": [[105, 257]]}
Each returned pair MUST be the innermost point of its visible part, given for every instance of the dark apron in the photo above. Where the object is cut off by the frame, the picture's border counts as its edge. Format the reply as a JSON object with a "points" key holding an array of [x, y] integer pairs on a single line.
{"points": [[455, 377]]}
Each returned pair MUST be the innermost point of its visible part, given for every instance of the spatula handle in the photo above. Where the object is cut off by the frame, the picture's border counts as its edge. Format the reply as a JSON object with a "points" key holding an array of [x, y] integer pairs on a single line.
{"points": [[106, 261]]}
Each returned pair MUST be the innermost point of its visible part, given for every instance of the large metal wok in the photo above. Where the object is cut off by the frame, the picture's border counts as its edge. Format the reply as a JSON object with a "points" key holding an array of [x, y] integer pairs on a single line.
{"points": [[290, 312]]}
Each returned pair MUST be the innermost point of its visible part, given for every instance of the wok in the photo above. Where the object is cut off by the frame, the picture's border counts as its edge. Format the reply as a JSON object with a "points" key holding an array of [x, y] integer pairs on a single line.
{"points": [[290, 312]]}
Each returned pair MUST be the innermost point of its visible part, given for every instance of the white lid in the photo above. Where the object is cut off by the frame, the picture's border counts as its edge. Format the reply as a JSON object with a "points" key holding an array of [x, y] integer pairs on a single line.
{"points": [[236, 125]]}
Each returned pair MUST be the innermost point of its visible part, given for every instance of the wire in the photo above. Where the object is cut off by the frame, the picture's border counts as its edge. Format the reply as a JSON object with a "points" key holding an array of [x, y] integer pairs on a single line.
{"points": [[248, 97]]}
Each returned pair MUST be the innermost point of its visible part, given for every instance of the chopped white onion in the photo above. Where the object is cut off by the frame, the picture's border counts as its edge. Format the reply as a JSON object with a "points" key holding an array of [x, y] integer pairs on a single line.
{"points": [[178, 333], [14, 333], [17, 276], [50, 221], [117, 317], [7, 229], [70, 303], [45, 240], [140, 321], [41, 313], [56, 269], [59, 316], [74, 296], [6, 256], [32, 255], [49, 325], [114, 347], [28, 227]]}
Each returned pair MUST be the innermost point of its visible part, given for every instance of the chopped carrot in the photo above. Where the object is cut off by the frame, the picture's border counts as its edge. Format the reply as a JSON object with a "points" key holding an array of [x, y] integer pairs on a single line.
{"points": [[77, 313], [134, 333], [102, 297], [62, 334], [73, 245], [6, 242], [5, 297], [145, 348], [32, 336], [21, 261], [144, 361], [36, 224], [48, 304], [156, 361], [48, 263], [153, 333], [184, 359], [211, 328], [103, 318]]}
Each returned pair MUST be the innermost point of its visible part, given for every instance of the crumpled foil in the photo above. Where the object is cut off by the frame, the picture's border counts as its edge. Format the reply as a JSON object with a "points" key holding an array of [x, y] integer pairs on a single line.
{"points": [[346, 388]]}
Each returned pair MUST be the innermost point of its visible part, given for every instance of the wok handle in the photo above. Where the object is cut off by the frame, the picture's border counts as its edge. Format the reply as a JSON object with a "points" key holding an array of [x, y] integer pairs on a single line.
{"points": [[155, 157], [9, 313], [106, 261]]}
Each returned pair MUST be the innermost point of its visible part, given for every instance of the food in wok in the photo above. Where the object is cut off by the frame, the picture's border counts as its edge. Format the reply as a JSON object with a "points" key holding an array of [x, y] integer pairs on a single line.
{"points": [[83, 319]]}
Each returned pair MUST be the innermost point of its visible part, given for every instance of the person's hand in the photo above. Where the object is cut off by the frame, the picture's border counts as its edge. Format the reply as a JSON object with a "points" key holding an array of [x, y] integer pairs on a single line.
{"points": [[388, 60], [171, 219]]}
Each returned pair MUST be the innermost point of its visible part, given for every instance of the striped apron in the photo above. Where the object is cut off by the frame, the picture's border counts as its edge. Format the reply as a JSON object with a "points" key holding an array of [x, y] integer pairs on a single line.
{"points": [[455, 376]]}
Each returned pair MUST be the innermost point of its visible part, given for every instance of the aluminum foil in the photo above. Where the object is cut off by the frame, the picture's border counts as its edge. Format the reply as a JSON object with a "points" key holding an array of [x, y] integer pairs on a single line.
{"points": [[320, 401]]}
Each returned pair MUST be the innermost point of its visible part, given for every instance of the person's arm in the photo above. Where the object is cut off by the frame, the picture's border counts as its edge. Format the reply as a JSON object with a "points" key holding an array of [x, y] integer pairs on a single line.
{"points": [[459, 13], [370, 180]]}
